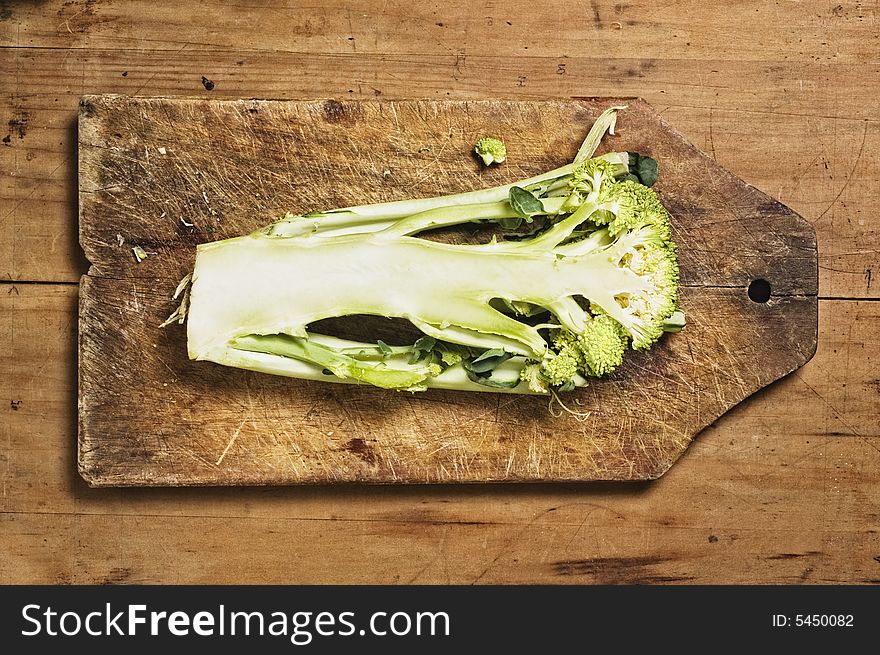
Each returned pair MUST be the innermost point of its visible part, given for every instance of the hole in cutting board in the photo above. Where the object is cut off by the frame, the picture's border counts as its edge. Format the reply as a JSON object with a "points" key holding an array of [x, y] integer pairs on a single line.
{"points": [[759, 291]]}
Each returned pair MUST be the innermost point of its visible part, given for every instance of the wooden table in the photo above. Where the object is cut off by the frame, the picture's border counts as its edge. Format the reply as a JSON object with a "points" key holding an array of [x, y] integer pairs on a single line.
{"points": [[783, 489]]}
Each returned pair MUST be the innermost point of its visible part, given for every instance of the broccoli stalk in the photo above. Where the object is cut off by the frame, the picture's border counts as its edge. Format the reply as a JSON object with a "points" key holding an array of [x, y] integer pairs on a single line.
{"points": [[378, 216], [603, 273]]}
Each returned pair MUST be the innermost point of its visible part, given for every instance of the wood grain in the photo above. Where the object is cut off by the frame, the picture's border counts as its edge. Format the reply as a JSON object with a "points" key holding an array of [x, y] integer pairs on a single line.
{"points": [[785, 485], [802, 132], [813, 31], [151, 167]]}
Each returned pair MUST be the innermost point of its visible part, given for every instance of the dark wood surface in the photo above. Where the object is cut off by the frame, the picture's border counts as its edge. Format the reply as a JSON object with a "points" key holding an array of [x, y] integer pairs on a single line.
{"points": [[781, 489], [148, 416]]}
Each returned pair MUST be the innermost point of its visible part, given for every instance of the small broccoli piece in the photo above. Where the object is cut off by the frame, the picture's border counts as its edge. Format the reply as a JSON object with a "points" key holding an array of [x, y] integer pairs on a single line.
{"points": [[491, 150], [532, 375], [675, 323], [139, 254]]}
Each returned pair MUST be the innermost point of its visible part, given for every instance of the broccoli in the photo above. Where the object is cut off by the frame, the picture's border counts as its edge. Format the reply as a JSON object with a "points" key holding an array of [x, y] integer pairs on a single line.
{"points": [[538, 313], [491, 150]]}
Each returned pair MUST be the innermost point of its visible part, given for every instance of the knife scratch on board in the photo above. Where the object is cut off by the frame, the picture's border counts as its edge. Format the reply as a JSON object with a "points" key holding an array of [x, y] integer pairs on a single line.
{"points": [[231, 441]]}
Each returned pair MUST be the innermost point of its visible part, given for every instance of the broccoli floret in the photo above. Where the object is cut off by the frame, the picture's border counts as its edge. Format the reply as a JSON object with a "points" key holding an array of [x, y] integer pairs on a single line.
{"points": [[491, 150], [594, 351], [562, 366], [602, 345], [628, 205], [631, 226], [599, 260], [532, 375]]}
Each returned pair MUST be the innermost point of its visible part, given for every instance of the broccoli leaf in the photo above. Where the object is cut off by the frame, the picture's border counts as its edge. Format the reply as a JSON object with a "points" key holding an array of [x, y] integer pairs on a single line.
{"points": [[487, 361], [524, 203], [642, 169], [425, 344], [647, 170]]}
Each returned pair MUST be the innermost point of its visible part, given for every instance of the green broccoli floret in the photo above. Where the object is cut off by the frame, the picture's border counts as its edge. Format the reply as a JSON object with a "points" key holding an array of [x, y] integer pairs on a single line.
{"points": [[602, 345], [596, 350], [675, 323], [562, 365], [491, 150], [627, 205]]}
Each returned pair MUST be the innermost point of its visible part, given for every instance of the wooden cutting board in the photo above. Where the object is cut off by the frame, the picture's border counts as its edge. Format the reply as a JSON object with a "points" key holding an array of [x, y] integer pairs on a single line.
{"points": [[151, 167]]}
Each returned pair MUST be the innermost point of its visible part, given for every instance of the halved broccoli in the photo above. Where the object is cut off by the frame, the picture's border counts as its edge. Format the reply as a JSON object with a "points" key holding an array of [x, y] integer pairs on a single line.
{"points": [[532, 314]]}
